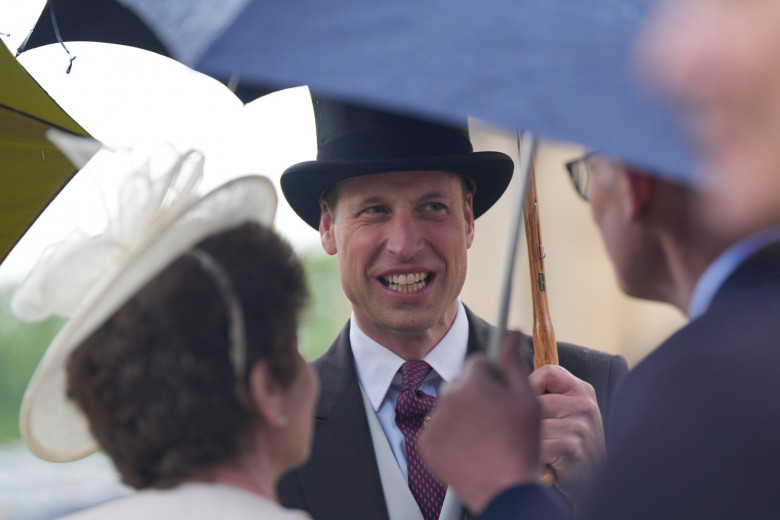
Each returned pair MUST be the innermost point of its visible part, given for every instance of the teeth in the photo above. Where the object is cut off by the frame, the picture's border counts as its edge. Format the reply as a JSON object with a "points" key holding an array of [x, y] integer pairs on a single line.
{"points": [[406, 283]]}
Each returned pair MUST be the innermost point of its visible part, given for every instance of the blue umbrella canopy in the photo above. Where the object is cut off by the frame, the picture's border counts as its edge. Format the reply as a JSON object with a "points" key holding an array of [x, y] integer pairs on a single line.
{"points": [[107, 21], [561, 69]]}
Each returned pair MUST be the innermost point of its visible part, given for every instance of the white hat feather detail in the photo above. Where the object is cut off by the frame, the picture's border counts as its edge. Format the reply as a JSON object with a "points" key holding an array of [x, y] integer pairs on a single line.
{"points": [[87, 278]]}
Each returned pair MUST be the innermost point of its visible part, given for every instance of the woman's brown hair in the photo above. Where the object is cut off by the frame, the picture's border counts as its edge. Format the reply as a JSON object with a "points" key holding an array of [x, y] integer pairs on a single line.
{"points": [[156, 380]]}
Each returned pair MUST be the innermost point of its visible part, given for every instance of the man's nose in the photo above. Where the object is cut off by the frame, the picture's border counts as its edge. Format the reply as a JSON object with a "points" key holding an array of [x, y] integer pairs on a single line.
{"points": [[404, 236]]}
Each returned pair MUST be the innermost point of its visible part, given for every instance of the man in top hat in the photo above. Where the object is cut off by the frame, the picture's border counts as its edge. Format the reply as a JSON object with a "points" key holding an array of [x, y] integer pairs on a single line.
{"points": [[396, 198], [693, 429]]}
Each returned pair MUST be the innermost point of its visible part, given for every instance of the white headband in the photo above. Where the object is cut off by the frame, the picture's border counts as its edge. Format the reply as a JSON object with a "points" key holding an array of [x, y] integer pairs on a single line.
{"points": [[236, 331]]}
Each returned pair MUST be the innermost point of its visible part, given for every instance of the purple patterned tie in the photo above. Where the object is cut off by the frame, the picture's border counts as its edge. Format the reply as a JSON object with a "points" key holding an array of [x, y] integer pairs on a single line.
{"points": [[411, 410]]}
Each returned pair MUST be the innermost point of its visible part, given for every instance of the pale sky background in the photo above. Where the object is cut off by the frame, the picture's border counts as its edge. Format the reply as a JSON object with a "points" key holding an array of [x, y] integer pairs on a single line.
{"points": [[130, 98]]}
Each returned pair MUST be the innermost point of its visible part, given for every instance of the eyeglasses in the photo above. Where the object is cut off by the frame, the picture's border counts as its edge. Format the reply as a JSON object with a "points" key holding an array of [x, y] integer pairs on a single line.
{"points": [[580, 173], [581, 170]]}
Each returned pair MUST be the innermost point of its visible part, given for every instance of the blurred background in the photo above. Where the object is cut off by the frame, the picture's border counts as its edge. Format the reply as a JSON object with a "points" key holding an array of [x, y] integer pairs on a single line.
{"points": [[135, 97]]}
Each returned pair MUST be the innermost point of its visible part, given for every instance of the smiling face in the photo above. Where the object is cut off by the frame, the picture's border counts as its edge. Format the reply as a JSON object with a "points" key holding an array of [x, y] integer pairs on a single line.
{"points": [[717, 61], [401, 240]]}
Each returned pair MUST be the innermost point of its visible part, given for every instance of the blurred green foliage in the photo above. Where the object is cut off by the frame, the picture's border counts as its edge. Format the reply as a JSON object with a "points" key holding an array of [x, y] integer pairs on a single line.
{"points": [[21, 347], [329, 309], [23, 344]]}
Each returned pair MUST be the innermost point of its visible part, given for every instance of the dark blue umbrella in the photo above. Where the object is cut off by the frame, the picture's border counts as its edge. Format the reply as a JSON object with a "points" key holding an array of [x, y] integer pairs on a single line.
{"points": [[562, 69], [63, 21]]}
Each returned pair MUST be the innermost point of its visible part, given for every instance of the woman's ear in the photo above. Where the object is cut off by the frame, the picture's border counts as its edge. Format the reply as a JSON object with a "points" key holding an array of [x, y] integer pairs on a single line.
{"points": [[266, 395]]}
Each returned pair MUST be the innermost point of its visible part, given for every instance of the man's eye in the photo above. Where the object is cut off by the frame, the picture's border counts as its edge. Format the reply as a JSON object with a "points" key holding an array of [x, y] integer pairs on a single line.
{"points": [[435, 206], [375, 210]]}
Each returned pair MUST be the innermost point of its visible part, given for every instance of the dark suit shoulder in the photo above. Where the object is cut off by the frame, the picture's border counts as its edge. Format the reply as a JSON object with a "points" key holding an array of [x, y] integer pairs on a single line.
{"points": [[698, 417], [697, 422], [529, 502]]}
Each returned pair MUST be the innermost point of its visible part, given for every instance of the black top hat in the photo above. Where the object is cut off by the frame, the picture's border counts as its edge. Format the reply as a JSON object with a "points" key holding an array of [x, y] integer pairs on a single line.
{"points": [[354, 141]]}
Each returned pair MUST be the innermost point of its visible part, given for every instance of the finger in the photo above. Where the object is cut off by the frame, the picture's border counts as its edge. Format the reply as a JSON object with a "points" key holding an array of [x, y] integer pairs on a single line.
{"points": [[552, 378], [478, 375], [474, 364], [556, 452], [557, 380], [565, 429], [477, 367], [512, 364], [561, 406]]}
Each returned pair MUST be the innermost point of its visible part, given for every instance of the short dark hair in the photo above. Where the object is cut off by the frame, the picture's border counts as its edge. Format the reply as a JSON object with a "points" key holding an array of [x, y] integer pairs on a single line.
{"points": [[156, 382]]}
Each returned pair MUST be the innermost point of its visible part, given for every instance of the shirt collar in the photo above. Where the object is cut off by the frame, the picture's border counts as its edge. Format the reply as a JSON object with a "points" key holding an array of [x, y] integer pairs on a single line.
{"points": [[377, 366], [727, 262]]}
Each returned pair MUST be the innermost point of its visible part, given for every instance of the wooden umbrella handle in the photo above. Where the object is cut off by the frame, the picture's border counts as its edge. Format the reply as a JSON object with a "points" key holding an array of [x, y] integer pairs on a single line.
{"points": [[545, 347]]}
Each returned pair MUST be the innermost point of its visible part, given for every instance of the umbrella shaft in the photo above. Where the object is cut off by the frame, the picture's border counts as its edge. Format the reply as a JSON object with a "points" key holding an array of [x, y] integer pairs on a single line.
{"points": [[527, 147]]}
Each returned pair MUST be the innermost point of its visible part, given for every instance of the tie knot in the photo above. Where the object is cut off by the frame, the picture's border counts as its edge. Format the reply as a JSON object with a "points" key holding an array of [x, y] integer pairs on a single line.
{"points": [[413, 373]]}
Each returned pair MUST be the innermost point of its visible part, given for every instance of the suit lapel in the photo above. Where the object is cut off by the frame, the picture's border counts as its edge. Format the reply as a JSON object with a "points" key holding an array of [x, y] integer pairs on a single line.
{"points": [[479, 338]]}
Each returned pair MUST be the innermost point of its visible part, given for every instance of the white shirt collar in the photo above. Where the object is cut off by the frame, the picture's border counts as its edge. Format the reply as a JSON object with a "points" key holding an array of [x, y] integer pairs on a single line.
{"points": [[727, 262], [377, 366]]}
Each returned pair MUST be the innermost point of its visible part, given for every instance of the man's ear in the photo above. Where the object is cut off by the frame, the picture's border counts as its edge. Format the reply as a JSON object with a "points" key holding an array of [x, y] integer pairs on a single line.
{"points": [[265, 393], [327, 228], [469, 219], [641, 192]]}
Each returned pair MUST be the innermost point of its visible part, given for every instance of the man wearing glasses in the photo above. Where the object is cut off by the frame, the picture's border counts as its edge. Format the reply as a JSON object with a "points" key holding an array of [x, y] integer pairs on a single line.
{"points": [[658, 248], [693, 429]]}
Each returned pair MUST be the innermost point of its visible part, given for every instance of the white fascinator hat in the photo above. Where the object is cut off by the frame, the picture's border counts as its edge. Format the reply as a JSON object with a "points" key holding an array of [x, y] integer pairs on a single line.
{"points": [[88, 278]]}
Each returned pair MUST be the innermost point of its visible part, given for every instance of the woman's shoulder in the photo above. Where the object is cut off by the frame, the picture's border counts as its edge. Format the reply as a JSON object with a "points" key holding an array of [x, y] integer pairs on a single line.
{"points": [[191, 501]]}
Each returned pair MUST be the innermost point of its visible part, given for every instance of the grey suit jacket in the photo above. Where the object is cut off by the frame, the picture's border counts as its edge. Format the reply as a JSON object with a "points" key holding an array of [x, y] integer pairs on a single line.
{"points": [[341, 479]]}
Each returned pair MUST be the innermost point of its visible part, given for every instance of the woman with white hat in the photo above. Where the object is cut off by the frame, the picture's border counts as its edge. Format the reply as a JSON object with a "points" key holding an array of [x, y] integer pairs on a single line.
{"points": [[179, 357]]}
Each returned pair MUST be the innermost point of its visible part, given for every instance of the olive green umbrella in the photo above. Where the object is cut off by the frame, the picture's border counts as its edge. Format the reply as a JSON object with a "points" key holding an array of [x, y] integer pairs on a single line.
{"points": [[32, 170]]}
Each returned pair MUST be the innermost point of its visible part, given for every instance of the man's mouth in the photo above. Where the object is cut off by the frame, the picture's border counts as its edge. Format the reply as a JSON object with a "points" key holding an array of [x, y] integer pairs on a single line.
{"points": [[405, 283]]}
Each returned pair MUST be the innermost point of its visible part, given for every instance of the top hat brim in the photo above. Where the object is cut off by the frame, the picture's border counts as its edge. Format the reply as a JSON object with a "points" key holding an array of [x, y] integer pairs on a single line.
{"points": [[305, 183]]}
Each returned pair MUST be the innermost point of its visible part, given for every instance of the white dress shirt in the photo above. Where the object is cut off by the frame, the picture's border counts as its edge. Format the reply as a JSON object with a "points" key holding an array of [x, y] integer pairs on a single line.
{"points": [[379, 376]]}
